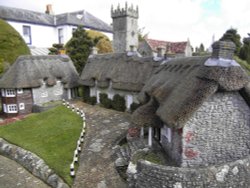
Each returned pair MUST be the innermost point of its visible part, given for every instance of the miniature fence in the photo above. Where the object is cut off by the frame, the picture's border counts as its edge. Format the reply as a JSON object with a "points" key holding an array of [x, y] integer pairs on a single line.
{"points": [[81, 137]]}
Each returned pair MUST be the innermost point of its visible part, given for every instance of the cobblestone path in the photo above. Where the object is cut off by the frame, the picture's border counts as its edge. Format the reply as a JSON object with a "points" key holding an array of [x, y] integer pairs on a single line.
{"points": [[13, 175], [104, 129]]}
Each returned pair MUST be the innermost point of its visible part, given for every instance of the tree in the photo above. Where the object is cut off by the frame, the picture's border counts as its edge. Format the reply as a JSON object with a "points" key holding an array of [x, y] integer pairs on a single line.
{"points": [[141, 35], [202, 48], [79, 48], [12, 45], [102, 42], [232, 35], [245, 50]]}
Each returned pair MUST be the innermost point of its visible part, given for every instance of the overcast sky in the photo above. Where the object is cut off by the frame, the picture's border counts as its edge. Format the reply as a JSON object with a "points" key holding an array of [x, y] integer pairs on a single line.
{"points": [[171, 20]]}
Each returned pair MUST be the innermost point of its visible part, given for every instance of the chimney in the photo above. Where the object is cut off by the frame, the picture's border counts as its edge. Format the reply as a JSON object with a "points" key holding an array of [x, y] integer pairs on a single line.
{"points": [[161, 51], [223, 50], [94, 51], [49, 9]]}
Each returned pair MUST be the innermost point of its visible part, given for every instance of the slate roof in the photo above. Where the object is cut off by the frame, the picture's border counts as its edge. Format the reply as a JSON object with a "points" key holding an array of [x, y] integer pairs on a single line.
{"points": [[126, 72], [73, 18], [31, 71], [173, 47]]}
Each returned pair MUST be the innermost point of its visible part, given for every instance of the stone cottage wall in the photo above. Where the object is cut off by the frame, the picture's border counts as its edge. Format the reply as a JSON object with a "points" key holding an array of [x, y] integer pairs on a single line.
{"points": [[26, 98], [235, 174], [46, 93], [218, 132]]}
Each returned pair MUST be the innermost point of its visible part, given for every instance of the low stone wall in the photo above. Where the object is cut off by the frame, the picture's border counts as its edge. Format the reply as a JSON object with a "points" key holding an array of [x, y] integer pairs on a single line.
{"points": [[234, 175], [32, 163]]}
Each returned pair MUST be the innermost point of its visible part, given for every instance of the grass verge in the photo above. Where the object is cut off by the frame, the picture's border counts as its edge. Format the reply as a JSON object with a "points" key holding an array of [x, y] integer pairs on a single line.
{"points": [[52, 135]]}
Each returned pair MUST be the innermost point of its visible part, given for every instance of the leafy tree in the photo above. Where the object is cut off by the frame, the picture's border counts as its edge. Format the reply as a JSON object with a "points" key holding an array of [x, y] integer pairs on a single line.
{"points": [[245, 50], [56, 49], [12, 45], [202, 48], [141, 35], [232, 35], [79, 47], [102, 42]]}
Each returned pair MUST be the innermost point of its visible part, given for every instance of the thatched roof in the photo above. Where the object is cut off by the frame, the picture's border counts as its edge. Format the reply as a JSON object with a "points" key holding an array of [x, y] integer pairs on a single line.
{"points": [[126, 72], [31, 71], [182, 85]]}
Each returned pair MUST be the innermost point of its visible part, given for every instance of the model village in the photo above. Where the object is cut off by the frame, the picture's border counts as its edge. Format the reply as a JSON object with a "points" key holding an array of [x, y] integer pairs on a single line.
{"points": [[186, 122]]}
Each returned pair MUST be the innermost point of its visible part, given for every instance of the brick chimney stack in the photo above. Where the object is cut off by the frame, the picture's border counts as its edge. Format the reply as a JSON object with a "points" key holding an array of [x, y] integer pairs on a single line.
{"points": [[49, 9]]}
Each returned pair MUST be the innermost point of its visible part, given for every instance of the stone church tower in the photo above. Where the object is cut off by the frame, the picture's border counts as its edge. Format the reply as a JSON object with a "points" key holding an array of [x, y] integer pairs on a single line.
{"points": [[125, 28]]}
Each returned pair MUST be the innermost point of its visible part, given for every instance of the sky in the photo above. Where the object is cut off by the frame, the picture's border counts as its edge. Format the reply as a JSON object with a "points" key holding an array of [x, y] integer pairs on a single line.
{"points": [[169, 20]]}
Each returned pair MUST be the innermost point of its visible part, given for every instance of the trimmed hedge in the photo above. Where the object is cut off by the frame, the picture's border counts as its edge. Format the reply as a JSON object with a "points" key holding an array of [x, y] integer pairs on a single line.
{"points": [[105, 101], [119, 103], [134, 106]]}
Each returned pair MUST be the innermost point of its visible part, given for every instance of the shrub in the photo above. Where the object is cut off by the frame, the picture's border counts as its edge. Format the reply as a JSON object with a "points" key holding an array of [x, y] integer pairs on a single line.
{"points": [[134, 106], [119, 103], [105, 101], [91, 100], [85, 92]]}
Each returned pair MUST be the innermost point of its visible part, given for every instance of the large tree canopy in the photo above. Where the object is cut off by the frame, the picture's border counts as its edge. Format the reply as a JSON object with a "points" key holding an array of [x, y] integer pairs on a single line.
{"points": [[103, 43], [79, 48], [232, 35], [12, 45]]}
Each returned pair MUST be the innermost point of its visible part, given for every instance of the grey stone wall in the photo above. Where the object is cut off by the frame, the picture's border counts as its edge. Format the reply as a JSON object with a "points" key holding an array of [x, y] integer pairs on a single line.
{"points": [[232, 175], [46, 93], [218, 132], [32, 163]]}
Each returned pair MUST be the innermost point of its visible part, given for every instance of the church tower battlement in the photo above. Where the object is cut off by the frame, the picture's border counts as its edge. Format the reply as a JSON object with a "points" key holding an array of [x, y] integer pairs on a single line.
{"points": [[125, 28]]}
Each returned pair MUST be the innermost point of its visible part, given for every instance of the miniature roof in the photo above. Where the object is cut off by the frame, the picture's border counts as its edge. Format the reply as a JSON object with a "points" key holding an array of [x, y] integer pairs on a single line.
{"points": [[174, 47], [182, 85], [73, 18], [31, 71], [126, 72]]}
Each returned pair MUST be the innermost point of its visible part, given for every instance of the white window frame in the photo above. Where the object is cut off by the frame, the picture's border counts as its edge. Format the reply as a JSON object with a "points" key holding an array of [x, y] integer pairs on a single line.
{"points": [[10, 93], [3, 92], [21, 106], [4, 108], [12, 108], [27, 34], [60, 36], [19, 91]]}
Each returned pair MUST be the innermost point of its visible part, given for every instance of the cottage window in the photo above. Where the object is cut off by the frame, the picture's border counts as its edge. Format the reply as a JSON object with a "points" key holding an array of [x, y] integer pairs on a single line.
{"points": [[44, 94], [19, 91], [12, 108], [21, 106], [60, 36], [3, 92], [10, 93], [27, 34], [58, 91]]}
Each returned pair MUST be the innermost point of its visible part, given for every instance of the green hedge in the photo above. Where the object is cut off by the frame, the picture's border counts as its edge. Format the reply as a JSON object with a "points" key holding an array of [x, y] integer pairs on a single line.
{"points": [[134, 106], [105, 101], [119, 103]]}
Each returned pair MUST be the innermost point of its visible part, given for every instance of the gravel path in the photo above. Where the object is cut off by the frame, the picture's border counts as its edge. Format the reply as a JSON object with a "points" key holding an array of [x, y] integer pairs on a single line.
{"points": [[104, 129], [13, 175]]}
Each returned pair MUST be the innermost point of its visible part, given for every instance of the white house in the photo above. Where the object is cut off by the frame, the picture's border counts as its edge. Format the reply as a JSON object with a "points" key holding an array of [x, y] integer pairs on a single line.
{"points": [[41, 30]]}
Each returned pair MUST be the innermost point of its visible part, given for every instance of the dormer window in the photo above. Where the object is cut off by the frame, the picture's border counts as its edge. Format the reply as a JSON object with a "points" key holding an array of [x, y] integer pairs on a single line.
{"points": [[19, 91]]}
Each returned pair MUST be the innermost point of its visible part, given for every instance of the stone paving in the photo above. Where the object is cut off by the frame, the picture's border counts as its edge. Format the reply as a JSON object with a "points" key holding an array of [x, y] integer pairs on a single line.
{"points": [[13, 175], [104, 129]]}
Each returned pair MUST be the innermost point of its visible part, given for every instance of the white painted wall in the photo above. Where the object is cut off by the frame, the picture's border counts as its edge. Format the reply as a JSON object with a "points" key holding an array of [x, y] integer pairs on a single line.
{"points": [[44, 36], [41, 36]]}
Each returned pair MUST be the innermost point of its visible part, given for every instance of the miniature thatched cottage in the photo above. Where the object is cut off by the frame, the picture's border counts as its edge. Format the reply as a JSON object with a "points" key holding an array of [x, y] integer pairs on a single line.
{"points": [[199, 107], [35, 80], [117, 73], [123, 72]]}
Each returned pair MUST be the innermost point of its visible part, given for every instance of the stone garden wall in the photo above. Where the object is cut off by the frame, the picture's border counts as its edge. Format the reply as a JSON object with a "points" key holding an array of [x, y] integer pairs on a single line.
{"points": [[234, 175], [32, 163]]}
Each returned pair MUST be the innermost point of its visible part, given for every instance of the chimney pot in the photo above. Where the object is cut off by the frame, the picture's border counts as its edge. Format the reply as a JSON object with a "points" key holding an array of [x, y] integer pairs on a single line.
{"points": [[49, 9]]}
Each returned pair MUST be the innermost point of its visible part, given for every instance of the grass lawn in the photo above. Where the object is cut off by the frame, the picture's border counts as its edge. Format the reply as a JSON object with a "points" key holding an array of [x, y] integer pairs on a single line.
{"points": [[52, 135]]}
